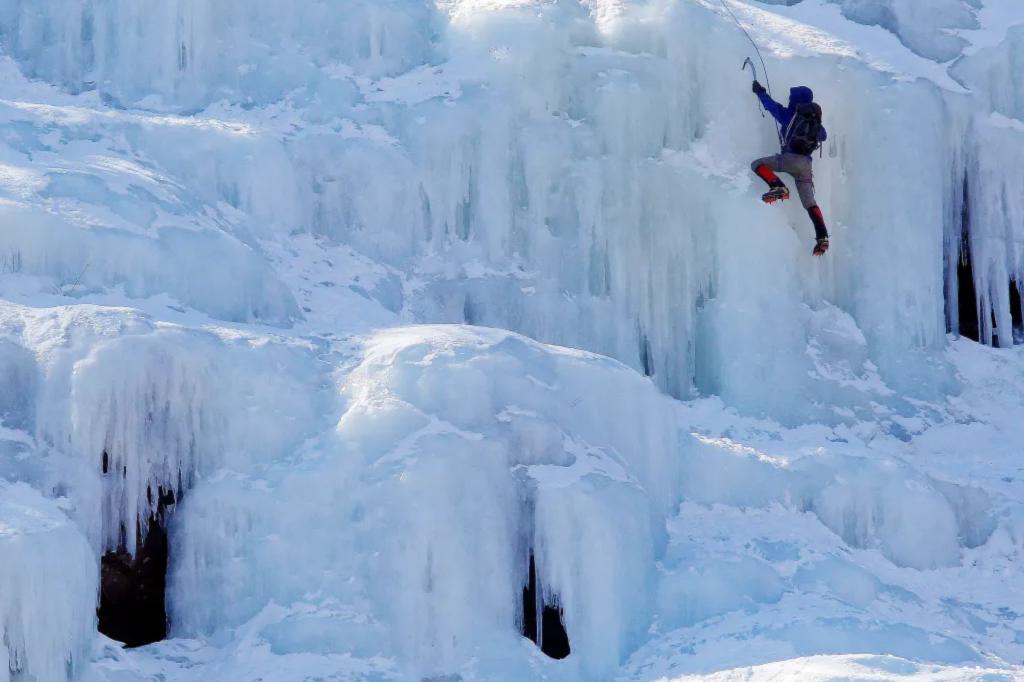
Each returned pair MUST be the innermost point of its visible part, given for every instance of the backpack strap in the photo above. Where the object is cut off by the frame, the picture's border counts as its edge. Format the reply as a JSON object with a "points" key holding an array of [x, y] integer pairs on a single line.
{"points": [[789, 129]]}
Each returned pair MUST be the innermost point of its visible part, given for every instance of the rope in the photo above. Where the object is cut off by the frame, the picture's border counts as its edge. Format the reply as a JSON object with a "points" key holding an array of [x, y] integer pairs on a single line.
{"points": [[764, 67]]}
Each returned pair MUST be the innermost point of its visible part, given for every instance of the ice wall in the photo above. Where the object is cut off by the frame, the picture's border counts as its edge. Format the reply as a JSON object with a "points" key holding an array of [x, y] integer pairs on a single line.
{"points": [[94, 200], [650, 206], [186, 54], [994, 220], [990, 229], [591, 207], [579, 173]]}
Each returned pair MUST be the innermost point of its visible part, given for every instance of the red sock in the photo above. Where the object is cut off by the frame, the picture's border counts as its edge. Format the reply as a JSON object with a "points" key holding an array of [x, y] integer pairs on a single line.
{"points": [[820, 232], [768, 175]]}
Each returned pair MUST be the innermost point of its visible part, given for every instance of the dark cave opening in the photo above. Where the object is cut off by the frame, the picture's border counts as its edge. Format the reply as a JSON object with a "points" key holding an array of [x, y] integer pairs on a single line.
{"points": [[967, 298], [551, 635], [132, 605]]}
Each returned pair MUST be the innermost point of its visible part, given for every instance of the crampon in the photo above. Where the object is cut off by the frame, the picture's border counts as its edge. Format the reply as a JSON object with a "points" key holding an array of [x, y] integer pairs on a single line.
{"points": [[775, 194]]}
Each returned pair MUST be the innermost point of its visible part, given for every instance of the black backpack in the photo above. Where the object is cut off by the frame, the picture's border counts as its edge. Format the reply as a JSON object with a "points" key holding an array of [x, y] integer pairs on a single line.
{"points": [[803, 135]]}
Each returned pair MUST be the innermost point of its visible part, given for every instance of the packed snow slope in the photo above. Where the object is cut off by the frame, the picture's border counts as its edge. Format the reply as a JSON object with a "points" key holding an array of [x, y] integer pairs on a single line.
{"points": [[418, 326]]}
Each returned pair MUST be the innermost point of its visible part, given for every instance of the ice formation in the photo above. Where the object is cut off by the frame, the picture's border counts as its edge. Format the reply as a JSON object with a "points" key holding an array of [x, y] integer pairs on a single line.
{"points": [[283, 283]]}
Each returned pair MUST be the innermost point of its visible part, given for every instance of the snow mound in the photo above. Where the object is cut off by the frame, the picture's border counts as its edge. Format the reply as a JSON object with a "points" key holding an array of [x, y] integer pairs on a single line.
{"points": [[460, 452], [871, 504], [48, 578]]}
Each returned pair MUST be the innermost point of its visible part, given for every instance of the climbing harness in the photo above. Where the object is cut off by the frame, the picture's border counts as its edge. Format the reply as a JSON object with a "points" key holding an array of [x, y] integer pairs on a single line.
{"points": [[764, 67]]}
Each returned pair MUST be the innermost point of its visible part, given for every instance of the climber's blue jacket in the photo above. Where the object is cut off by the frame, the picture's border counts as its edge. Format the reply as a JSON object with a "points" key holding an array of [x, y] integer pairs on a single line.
{"points": [[798, 95]]}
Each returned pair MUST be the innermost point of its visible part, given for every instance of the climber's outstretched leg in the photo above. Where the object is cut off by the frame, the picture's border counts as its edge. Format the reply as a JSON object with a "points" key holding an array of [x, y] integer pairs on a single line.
{"points": [[800, 167], [765, 169]]}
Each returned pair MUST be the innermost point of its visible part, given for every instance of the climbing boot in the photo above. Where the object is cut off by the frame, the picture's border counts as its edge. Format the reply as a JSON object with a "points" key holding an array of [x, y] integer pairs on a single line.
{"points": [[775, 194], [820, 246]]}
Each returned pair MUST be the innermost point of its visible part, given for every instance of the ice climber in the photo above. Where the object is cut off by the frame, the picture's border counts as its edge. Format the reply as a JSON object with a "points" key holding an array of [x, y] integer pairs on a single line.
{"points": [[801, 134]]}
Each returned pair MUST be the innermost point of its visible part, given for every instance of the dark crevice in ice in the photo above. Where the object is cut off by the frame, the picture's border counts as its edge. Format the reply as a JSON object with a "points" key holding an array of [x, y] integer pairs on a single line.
{"points": [[646, 359], [1017, 310], [966, 296], [469, 312]]}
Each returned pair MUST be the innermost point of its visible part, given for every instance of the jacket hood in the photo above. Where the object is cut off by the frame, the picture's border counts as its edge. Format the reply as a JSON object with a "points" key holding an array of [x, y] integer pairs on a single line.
{"points": [[801, 94]]}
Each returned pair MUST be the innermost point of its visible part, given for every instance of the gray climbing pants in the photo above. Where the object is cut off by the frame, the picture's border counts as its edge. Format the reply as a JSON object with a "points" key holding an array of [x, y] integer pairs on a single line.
{"points": [[797, 165]]}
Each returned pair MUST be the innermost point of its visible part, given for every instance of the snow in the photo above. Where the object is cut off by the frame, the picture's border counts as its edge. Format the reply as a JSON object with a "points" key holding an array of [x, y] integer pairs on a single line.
{"points": [[823, 668], [395, 297]]}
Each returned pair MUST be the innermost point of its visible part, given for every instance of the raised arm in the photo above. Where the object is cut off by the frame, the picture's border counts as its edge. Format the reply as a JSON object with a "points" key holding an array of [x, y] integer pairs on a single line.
{"points": [[770, 105]]}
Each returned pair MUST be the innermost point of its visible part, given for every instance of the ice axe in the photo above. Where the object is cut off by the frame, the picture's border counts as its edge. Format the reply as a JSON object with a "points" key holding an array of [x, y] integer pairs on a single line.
{"points": [[746, 63], [753, 69]]}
